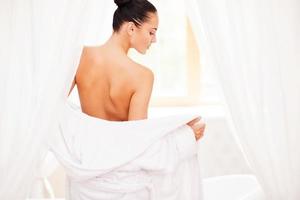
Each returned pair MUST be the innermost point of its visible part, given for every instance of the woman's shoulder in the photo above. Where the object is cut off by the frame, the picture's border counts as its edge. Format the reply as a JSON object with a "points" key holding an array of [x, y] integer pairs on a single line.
{"points": [[93, 53], [142, 72]]}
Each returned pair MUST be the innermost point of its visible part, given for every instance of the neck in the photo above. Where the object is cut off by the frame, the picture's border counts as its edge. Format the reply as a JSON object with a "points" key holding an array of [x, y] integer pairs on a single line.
{"points": [[119, 41]]}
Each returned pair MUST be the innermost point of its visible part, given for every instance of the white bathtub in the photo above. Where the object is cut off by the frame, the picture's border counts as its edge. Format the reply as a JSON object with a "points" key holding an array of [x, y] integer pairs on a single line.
{"points": [[232, 187]]}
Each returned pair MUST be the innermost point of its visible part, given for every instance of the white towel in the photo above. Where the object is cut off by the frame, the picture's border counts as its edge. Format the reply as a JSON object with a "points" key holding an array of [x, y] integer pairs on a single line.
{"points": [[152, 159]]}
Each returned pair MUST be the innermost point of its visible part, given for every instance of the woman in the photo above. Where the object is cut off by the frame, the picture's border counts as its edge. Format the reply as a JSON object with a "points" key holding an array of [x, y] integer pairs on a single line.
{"points": [[146, 159], [112, 86]]}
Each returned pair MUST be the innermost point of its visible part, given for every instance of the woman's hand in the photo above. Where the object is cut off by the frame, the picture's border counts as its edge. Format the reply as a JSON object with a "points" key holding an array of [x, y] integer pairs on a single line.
{"points": [[198, 127]]}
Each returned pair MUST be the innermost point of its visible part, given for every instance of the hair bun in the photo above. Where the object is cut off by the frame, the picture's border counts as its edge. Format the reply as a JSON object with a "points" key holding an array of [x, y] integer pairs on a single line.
{"points": [[121, 3]]}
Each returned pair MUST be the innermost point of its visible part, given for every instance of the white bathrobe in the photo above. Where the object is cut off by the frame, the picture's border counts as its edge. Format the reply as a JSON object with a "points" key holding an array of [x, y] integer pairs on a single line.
{"points": [[153, 159]]}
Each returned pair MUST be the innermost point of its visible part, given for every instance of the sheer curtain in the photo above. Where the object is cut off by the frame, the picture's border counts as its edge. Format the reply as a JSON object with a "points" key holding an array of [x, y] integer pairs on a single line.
{"points": [[41, 42], [97, 27], [255, 48]]}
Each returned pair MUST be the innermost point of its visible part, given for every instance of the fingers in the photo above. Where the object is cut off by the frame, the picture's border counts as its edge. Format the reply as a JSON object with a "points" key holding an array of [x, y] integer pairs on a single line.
{"points": [[199, 130], [191, 123], [199, 125]]}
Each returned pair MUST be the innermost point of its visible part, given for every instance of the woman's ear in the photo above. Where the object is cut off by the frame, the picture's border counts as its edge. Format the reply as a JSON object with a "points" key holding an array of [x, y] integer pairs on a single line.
{"points": [[130, 28]]}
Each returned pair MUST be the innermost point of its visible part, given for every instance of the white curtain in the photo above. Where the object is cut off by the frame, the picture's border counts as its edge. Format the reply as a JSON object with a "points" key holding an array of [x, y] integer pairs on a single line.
{"points": [[254, 47], [41, 42], [96, 28]]}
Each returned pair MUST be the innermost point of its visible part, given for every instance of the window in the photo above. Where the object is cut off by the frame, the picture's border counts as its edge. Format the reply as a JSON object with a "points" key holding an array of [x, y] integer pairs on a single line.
{"points": [[174, 59]]}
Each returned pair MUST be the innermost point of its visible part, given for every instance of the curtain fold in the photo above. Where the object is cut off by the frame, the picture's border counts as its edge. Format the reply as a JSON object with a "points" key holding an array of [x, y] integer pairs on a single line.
{"points": [[40, 49], [254, 47], [41, 43]]}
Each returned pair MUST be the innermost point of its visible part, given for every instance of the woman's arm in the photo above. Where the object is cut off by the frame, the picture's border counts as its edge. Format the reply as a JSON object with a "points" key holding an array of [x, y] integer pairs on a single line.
{"points": [[73, 84], [82, 64], [138, 108]]}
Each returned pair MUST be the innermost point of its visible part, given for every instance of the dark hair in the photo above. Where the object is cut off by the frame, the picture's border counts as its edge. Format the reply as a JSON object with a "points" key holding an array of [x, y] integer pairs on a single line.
{"points": [[135, 11]]}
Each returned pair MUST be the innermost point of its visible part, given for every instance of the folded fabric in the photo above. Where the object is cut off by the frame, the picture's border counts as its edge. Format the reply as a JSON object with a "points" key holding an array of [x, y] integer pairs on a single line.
{"points": [[142, 159]]}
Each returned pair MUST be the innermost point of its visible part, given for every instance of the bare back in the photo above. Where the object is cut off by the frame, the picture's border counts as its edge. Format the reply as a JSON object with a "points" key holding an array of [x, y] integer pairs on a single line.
{"points": [[111, 86]]}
